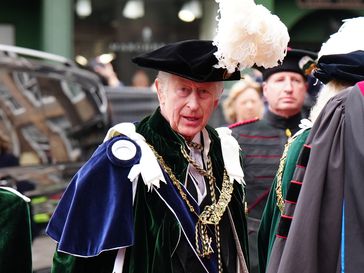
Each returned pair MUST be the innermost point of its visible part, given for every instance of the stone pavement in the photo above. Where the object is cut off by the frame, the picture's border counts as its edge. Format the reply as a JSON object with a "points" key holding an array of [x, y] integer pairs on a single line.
{"points": [[42, 252]]}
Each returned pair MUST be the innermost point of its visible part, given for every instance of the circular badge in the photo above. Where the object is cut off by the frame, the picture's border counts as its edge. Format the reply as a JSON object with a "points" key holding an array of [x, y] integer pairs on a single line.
{"points": [[123, 151]]}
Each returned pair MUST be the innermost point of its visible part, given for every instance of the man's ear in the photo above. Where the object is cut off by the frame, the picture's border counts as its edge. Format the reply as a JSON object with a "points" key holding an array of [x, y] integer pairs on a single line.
{"points": [[264, 88], [216, 103], [160, 92], [307, 86]]}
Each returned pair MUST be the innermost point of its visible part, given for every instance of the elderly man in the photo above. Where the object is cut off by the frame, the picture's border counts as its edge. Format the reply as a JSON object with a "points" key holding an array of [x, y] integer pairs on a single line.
{"points": [[263, 140], [165, 194]]}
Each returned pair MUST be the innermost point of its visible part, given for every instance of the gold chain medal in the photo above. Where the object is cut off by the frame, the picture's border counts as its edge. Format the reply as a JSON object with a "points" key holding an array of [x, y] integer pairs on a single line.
{"points": [[211, 215]]}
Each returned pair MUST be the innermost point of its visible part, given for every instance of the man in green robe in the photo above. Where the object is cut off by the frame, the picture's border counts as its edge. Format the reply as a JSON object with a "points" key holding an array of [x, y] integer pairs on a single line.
{"points": [[275, 202], [165, 194]]}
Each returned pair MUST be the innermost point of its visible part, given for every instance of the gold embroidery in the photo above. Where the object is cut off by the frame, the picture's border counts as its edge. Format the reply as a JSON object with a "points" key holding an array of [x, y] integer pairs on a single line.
{"points": [[282, 163]]}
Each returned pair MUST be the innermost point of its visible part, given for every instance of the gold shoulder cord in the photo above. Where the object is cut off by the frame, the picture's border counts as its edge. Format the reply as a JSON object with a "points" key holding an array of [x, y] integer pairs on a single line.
{"points": [[211, 215]]}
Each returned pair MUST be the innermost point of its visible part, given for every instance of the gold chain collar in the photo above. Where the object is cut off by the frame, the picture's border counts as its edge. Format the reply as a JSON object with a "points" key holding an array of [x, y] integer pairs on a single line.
{"points": [[282, 164], [211, 214]]}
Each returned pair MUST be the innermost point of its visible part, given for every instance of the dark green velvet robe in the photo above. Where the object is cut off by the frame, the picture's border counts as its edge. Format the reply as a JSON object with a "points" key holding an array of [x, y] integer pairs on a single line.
{"points": [[15, 234], [155, 226], [262, 142], [271, 214]]}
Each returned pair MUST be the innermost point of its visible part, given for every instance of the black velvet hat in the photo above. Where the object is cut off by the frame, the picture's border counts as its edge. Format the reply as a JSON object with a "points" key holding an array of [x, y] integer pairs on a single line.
{"points": [[347, 67], [296, 60], [190, 59]]}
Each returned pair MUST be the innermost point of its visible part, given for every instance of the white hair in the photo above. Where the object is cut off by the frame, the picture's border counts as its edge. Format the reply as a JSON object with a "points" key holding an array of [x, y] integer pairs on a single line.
{"points": [[163, 78], [329, 90]]}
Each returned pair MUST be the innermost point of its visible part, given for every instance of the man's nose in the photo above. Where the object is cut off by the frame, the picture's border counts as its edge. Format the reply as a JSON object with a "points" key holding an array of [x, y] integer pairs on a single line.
{"points": [[288, 85], [193, 100]]}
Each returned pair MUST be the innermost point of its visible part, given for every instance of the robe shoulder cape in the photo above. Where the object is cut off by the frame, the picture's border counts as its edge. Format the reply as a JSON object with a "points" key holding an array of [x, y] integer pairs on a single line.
{"points": [[97, 215], [95, 212], [271, 214]]}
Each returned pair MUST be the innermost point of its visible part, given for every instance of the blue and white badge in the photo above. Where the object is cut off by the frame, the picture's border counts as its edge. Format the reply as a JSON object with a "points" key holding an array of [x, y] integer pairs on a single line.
{"points": [[122, 151]]}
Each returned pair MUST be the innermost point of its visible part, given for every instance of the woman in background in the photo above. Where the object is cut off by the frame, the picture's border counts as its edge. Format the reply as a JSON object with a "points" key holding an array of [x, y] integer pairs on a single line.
{"points": [[244, 101]]}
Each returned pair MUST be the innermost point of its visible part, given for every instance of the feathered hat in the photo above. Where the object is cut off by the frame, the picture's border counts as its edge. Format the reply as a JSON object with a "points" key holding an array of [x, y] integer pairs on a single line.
{"points": [[247, 35], [341, 57]]}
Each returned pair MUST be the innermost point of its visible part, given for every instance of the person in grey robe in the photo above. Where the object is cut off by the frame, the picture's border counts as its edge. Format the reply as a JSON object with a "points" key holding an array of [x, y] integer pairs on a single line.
{"points": [[324, 233]]}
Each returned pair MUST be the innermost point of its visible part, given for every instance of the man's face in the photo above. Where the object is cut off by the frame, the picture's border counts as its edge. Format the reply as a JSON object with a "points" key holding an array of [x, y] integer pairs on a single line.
{"points": [[187, 105], [285, 93]]}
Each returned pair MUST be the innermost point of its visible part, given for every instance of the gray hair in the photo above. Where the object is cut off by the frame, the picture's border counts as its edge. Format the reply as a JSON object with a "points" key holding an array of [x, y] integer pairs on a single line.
{"points": [[329, 90]]}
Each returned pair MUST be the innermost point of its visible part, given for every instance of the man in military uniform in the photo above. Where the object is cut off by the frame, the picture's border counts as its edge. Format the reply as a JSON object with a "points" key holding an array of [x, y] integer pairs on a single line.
{"points": [[263, 140]]}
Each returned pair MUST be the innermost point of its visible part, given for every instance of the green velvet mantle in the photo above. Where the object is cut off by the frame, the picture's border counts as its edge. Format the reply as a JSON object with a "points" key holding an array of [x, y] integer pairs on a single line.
{"points": [[271, 214], [156, 229], [15, 238]]}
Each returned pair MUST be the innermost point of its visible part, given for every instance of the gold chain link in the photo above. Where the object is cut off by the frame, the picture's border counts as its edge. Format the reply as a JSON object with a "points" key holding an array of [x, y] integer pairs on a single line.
{"points": [[282, 163], [211, 214]]}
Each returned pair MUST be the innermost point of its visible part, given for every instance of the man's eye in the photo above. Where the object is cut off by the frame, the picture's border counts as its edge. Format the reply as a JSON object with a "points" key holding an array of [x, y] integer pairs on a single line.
{"points": [[297, 80], [183, 90], [204, 93]]}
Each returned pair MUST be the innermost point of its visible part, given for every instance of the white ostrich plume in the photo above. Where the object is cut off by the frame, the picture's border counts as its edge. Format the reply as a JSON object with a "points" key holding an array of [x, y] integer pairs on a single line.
{"points": [[349, 38], [248, 34]]}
